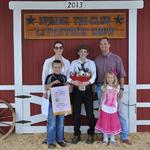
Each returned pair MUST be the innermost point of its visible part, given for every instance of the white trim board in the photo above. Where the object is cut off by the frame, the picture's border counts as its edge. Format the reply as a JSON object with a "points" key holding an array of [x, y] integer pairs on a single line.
{"points": [[62, 5], [4, 106], [4, 125], [143, 86], [143, 104], [143, 122], [42, 129], [7, 87], [132, 65], [39, 87]]}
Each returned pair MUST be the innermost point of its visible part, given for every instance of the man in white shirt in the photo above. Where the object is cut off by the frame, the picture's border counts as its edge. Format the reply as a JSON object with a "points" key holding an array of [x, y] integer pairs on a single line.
{"points": [[58, 48], [80, 70]]}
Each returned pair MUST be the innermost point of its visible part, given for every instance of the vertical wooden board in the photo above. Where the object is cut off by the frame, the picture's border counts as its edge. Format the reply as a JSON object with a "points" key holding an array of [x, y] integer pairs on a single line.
{"points": [[6, 46], [143, 69]]}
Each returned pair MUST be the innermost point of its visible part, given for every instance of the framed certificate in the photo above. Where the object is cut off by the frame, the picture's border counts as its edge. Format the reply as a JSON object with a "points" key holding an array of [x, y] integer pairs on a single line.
{"points": [[61, 100]]}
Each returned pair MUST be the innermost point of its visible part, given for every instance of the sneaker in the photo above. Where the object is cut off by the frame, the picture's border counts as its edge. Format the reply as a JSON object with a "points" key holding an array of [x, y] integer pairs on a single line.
{"points": [[76, 139], [112, 139], [105, 139], [62, 144], [51, 146], [126, 142], [112, 142], [90, 139], [105, 143]]}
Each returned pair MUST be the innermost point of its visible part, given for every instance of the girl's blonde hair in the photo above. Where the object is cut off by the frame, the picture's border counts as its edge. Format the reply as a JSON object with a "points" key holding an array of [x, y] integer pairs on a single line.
{"points": [[115, 83]]}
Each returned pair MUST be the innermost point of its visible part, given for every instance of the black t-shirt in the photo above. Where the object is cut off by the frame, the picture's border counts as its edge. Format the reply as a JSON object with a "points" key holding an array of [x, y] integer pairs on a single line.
{"points": [[53, 77]]}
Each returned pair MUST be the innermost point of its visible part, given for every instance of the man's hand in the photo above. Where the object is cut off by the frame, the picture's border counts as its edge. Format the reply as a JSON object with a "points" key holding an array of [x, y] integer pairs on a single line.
{"points": [[55, 82], [47, 87], [120, 94], [99, 109], [118, 109], [45, 95]]}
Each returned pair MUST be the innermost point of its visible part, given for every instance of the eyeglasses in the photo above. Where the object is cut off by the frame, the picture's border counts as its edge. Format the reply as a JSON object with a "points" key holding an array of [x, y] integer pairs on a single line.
{"points": [[57, 48]]}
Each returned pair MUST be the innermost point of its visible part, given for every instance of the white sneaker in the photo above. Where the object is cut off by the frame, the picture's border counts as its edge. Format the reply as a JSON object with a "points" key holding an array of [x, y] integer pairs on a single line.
{"points": [[112, 139], [112, 142], [105, 142]]}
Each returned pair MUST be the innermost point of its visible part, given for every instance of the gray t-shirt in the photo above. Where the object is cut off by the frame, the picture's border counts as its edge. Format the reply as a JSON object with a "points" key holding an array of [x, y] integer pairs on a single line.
{"points": [[108, 63]]}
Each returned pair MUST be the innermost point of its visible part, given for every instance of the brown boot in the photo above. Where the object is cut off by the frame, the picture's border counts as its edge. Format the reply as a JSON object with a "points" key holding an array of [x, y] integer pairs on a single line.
{"points": [[126, 142], [90, 139], [62, 144], [51, 146], [76, 139]]}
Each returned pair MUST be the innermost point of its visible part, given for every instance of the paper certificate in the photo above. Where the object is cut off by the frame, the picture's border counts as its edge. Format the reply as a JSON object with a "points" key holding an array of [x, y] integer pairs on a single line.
{"points": [[61, 100]]}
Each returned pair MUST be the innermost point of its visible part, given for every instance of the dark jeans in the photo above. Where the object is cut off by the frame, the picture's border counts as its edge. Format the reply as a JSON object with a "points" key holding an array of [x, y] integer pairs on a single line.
{"points": [[85, 97]]}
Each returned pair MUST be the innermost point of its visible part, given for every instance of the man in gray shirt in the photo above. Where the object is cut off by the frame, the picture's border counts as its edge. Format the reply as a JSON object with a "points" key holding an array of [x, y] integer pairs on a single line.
{"points": [[106, 62]]}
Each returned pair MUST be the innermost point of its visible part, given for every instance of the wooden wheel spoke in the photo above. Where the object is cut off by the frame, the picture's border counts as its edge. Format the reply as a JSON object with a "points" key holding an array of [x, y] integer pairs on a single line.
{"points": [[1, 131], [3, 111], [5, 117], [8, 124]]}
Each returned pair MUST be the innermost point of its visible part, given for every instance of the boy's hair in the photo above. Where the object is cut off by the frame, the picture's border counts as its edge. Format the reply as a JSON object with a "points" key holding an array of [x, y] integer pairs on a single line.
{"points": [[105, 38], [86, 47], [56, 62], [115, 80], [60, 42]]}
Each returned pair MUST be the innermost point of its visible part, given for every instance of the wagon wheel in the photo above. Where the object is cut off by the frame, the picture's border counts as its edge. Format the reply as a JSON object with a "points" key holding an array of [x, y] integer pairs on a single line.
{"points": [[7, 119]]}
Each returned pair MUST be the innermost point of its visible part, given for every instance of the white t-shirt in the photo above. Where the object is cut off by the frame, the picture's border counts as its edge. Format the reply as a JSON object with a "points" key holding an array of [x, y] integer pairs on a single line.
{"points": [[109, 104]]}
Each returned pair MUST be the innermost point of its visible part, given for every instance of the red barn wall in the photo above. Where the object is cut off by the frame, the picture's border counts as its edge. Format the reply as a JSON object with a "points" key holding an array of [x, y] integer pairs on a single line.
{"points": [[143, 69]]}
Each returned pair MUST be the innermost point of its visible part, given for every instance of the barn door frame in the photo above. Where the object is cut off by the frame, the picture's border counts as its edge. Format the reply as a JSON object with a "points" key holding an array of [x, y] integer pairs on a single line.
{"points": [[20, 89]]}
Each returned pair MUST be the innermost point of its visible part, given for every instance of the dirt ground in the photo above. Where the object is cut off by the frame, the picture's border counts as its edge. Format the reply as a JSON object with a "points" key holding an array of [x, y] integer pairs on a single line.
{"points": [[140, 141]]}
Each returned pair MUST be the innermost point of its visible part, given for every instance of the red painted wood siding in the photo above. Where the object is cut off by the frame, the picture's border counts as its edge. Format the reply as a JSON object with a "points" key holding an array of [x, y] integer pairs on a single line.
{"points": [[6, 51], [143, 44], [143, 63], [6, 45]]}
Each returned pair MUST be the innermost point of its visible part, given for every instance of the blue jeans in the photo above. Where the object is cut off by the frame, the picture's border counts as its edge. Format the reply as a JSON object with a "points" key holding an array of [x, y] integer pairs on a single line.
{"points": [[124, 127], [55, 127], [99, 92]]}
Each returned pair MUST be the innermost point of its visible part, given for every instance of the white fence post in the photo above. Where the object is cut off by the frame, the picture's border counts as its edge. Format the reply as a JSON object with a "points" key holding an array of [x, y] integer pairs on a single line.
{"points": [[132, 68]]}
